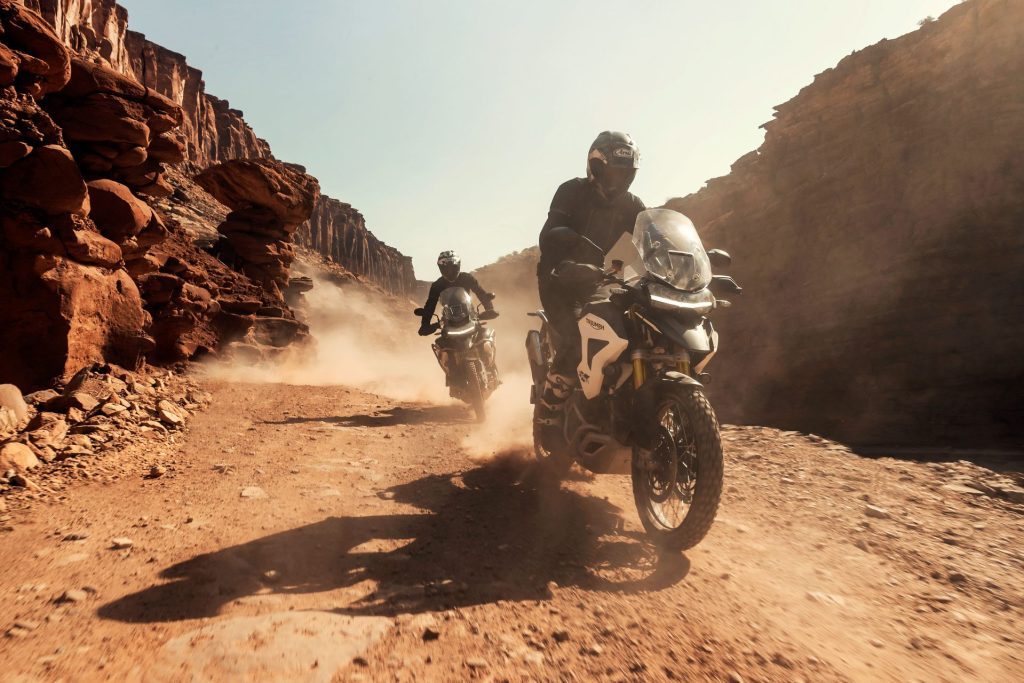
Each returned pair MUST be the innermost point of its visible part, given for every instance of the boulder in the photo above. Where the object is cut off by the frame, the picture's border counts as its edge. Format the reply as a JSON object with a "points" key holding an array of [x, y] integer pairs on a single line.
{"points": [[130, 156], [102, 118], [48, 179], [23, 231], [47, 428], [8, 420], [13, 150], [86, 246], [11, 398], [90, 315], [278, 332], [9, 63], [27, 32], [116, 211], [89, 78], [18, 457], [167, 150], [38, 398], [82, 400], [159, 188], [245, 183]]}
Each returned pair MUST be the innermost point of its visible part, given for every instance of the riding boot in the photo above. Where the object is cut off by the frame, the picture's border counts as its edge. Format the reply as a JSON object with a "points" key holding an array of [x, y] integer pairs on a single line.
{"points": [[552, 400]]}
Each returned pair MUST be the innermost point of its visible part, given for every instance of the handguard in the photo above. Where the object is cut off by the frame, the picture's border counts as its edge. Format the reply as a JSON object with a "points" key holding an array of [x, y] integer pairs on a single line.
{"points": [[575, 274]]}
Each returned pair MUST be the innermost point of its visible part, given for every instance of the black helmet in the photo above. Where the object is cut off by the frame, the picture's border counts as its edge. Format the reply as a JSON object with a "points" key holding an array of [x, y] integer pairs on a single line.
{"points": [[612, 162], [449, 263]]}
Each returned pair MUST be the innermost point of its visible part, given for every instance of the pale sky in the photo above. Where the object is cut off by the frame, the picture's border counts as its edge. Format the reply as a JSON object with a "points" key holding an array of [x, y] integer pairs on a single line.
{"points": [[449, 123]]}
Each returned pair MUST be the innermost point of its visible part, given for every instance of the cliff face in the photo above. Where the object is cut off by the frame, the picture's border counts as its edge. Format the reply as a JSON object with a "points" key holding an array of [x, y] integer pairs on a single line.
{"points": [[213, 131], [339, 232], [878, 234]]}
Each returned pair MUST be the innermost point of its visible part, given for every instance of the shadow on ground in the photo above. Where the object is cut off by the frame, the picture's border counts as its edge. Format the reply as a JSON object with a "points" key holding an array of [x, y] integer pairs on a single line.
{"points": [[495, 533], [390, 417]]}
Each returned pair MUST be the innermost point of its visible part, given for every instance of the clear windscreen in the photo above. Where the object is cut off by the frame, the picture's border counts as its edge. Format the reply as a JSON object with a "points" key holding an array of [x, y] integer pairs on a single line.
{"points": [[456, 306], [670, 249]]}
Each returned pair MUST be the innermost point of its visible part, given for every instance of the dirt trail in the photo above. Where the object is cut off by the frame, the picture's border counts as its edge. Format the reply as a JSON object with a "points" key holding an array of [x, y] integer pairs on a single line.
{"points": [[328, 534]]}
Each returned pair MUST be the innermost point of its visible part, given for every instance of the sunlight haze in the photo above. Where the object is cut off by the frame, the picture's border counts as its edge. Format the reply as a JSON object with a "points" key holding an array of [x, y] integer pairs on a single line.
{"points": [[450, 124]]}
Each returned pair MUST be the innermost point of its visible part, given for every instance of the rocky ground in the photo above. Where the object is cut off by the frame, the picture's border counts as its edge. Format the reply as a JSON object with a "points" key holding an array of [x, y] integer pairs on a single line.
{"points": [[96, 428], [329, 534]]}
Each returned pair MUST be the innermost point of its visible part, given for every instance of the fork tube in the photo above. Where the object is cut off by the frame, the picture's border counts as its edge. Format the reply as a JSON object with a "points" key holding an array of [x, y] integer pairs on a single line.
{"points": [[639, 370]]}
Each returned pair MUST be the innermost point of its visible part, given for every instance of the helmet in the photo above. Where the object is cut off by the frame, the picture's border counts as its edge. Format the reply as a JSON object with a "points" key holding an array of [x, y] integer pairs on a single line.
{"points": [[612, 162], [449, 263]]}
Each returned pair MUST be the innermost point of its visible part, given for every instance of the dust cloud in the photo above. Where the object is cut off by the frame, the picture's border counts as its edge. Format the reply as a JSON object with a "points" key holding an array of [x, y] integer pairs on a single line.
{"points": [[369, 341], [363, 340], [508, 430]]}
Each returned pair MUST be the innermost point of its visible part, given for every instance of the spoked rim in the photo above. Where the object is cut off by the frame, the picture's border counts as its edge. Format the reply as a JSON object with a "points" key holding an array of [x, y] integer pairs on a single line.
{"points": [[670, 480]]}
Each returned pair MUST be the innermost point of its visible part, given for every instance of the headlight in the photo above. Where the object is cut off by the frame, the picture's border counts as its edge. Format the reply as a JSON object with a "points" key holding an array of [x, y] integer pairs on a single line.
{"points": [[668, 298], [460, 331]]}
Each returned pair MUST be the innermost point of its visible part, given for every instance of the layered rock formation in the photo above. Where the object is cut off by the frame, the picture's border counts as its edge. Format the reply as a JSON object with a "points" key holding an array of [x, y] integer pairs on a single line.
{"points": [[89, 272], [67, 298], [118, 129], [213, 131], [268, 201], [339, 232], [878, 233]]}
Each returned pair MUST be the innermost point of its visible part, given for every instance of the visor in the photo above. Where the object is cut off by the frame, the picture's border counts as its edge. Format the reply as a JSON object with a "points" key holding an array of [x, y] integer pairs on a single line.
{"points": [[615, 180]]}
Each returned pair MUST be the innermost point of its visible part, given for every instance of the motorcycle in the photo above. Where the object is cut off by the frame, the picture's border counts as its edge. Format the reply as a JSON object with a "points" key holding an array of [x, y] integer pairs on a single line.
{"points": [[465, 349], [645, 342]]}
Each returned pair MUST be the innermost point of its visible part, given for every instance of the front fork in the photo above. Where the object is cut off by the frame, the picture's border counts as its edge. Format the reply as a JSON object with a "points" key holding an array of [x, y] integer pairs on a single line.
{"points": [[645, 401], [444, 359], [641, 358]]}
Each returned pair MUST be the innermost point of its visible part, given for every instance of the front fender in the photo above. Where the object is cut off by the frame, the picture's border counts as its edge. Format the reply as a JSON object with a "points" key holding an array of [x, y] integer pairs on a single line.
{"points": [[675, 378], [645, 403]]}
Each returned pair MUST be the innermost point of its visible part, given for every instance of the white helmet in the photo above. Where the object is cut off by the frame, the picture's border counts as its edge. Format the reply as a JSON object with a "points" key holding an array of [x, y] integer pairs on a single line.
{"points": [[449, 263]]}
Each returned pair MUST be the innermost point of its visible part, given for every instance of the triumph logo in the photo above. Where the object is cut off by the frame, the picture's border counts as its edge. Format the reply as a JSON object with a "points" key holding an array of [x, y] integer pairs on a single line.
{"points": [[593, 323]]}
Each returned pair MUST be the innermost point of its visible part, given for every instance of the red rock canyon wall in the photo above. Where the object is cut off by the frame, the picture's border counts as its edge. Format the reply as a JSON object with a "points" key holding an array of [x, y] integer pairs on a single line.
{"points": [[212, 131], [879, 233]]}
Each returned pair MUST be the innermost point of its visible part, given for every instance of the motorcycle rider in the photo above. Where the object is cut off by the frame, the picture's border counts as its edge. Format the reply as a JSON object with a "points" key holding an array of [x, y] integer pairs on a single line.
{"points": [[600, 208], [450, 265]]}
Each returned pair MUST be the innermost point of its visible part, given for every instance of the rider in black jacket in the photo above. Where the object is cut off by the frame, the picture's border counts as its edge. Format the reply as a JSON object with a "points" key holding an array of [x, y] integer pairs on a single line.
{"points": [[450, 266], [600, 208]]}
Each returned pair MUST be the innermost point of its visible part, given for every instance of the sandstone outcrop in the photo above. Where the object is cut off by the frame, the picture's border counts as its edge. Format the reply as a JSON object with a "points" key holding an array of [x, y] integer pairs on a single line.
{"points": [[268, 201], [68, 301], [211, 131], [101, 238], [98, 31], [118, 129], [877, 233], [339, 232]]}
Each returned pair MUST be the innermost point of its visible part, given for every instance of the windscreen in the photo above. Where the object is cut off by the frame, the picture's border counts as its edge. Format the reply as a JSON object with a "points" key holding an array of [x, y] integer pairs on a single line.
{"points": [[671, 250], [456, 306]]}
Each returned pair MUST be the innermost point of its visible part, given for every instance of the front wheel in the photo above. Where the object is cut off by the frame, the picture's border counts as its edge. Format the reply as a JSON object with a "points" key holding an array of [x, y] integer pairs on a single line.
{"points": [[477, 382], [678, 484]]}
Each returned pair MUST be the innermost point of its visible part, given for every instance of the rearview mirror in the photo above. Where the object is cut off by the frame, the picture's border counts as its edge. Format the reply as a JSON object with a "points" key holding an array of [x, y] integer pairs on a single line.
{"points": [[725, 283], [418, 312], [719, 258]]}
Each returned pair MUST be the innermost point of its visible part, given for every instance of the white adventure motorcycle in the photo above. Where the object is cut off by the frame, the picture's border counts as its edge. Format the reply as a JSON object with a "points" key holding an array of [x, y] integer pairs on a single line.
{"points": [[646, 340]]}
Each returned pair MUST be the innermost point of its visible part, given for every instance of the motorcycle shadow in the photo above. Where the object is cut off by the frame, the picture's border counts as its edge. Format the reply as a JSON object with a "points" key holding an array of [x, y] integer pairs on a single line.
{"points": [[497, 532]]}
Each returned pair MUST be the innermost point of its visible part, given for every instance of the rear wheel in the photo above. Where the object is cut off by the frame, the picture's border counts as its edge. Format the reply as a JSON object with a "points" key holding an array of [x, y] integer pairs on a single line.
{"points": [[678, 485]]}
